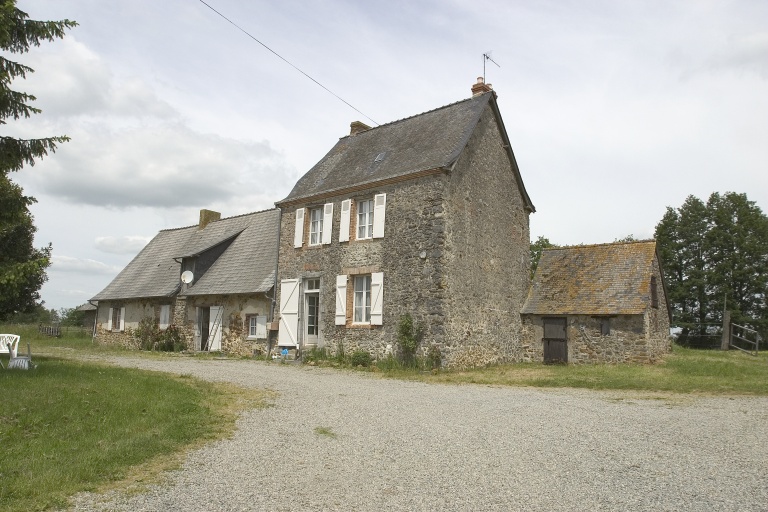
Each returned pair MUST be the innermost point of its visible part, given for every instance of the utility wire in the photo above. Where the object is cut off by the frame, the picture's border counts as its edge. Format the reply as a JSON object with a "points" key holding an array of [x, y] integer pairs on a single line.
{"points": [[241, 29]]}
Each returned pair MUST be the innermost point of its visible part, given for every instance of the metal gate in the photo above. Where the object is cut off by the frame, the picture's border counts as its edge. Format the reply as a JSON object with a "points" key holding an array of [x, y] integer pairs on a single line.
{"points": [[745, 339]]}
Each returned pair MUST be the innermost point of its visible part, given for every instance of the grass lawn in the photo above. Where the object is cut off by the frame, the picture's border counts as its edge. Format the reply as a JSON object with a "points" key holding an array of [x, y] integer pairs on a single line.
{"points": [[684, 371], [69, 426]]}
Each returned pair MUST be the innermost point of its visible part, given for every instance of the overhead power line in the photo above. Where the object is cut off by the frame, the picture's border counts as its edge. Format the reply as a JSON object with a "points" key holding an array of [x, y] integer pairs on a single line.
{"points": [[241, 29]]}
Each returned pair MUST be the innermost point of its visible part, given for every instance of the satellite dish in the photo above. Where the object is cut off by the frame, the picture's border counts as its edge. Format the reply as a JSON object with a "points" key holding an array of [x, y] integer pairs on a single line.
{"points": [[187, 276]]}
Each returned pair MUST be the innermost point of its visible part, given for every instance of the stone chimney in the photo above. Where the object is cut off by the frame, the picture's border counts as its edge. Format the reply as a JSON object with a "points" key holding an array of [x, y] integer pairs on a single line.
{"points": [[480, 87], [206, 217], [356, 127]]}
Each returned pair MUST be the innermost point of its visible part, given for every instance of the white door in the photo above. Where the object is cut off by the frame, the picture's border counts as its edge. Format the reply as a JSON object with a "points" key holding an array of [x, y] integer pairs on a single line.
{"points": [[287, 335], [214, 329]]}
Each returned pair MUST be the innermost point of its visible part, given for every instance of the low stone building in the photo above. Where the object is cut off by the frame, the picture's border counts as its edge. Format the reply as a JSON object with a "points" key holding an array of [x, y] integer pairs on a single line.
{"points": [[597, 303], [213, 281], [426, 216]]}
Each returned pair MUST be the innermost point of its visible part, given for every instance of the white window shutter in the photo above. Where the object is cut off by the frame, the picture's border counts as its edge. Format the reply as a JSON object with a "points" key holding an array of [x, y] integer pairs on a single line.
{"points": [[288, 330], [122, 318], [214, 327], [379, 207], [346, 210], [109, 319], [327, 222], [165, 316], [298, 236], [261, 327], [341, 300], [377, 298]]}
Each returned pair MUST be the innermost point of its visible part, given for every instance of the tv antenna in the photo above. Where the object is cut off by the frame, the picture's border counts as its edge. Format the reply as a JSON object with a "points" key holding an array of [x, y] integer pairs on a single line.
{"points": [[487, 56]]}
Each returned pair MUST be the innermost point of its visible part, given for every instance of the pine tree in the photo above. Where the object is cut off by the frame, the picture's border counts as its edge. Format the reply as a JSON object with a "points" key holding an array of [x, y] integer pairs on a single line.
{"points": [[22, 267], [715, 257]]}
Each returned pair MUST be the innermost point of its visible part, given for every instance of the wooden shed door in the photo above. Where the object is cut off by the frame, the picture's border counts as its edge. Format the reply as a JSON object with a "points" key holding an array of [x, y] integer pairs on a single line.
{"points": [[555, 340]]}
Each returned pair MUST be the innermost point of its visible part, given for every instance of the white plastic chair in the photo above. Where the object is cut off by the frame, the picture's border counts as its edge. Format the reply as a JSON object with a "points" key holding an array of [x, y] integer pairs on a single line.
{"points": [[9, 344]]}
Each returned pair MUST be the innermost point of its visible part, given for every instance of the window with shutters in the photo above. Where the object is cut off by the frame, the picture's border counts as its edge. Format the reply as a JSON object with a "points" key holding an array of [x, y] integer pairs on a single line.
{"points": [[315, 226], [365, 219], [362, 300], [257, 326]]}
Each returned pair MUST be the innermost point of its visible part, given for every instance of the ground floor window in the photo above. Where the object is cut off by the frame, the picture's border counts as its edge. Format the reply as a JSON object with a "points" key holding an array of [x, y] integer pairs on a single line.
{"points": [[362, 299], [257, 326]]}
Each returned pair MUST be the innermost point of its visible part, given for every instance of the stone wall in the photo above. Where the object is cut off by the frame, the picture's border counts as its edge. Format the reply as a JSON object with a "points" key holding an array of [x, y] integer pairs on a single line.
{"points": [[487, 254], [234, 339], [410, 256], [627, 342]]}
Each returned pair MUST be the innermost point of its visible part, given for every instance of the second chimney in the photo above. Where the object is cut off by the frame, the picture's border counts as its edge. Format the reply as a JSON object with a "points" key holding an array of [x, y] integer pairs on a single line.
{"points": [[356, 127], [208, 216]]}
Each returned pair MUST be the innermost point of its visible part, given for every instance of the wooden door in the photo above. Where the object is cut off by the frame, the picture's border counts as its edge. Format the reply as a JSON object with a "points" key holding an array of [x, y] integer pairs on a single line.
{"points": [[555, 340]]}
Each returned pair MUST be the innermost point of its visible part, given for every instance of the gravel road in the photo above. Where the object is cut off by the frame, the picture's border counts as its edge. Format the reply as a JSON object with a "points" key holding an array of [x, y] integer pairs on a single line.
{"points": [[413, 446]]}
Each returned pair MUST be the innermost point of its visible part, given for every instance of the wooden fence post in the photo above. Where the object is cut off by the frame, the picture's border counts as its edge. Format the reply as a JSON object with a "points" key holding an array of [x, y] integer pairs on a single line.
{"points": [[726, 339]]}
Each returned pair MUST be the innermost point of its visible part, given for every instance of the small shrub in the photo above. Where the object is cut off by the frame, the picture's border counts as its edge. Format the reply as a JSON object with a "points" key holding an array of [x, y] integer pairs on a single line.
{"points": [[361, 358], [434, 357], [147, 333], [340, 356], [315, 355], [408, 337], [171, 340]]}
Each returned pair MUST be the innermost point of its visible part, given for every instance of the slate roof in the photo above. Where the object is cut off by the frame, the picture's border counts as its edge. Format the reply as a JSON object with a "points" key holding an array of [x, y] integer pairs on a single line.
{"points": [[247, 266], [432, 140], [607, 279]]}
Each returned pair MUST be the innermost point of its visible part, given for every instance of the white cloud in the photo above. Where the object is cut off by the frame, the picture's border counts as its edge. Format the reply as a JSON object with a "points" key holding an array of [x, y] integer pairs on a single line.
{"points": [[743, 53], [78, 265], [121, 244]]}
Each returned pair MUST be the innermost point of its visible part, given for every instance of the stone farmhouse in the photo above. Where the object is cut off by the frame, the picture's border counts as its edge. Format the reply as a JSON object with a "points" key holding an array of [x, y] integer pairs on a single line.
{"points": [[426, 216], [213, 281], [598, 303]]}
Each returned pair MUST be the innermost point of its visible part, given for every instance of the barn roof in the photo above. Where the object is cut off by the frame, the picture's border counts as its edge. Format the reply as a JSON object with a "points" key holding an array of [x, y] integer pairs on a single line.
{"points": [[246, 266], [606, 279], [428, 141]]}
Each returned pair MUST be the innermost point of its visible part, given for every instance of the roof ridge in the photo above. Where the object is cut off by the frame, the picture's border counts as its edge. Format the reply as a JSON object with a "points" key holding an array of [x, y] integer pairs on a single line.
{"points": [[606, 244], [420, 114], [225, 218]]}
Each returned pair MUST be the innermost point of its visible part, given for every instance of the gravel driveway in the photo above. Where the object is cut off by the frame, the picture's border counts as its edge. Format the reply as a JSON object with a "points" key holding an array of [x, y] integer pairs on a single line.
{"points": [[414, 446]]}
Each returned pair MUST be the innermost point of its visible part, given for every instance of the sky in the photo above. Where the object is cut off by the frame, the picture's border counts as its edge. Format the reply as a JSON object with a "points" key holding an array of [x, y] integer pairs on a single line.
{"points": [[615, 109]]}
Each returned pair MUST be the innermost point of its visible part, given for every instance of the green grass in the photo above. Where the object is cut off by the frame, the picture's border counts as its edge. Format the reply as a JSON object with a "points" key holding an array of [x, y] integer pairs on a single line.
{"points": [[67, 427], [325, 432], [684, 371]]}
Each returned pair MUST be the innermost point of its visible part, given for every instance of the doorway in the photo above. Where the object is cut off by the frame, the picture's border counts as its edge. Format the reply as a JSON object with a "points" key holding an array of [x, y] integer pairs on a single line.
{"points": [[555, 340], [311, 312], [209, 327]]}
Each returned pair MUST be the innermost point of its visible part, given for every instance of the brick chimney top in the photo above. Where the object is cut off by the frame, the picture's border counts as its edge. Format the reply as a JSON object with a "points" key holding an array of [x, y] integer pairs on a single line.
{"points": [[208, 216], [480, 87], [356, 127]]}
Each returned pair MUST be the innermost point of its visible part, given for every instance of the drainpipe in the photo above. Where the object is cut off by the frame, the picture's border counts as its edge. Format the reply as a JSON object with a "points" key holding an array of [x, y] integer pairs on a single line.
{"points": [[274, 286]]}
